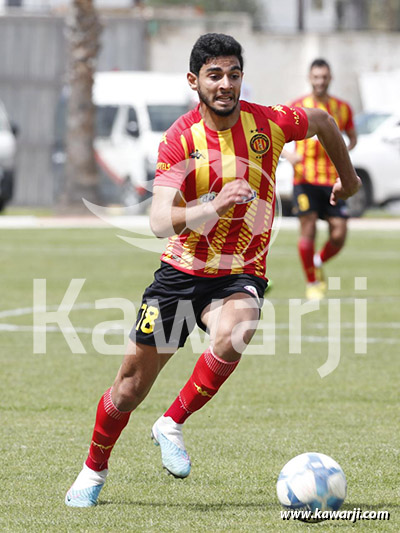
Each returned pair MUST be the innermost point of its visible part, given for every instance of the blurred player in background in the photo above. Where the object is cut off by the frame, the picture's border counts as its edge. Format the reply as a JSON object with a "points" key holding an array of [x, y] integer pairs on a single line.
{"points": [[314, 176], [217, 212]]}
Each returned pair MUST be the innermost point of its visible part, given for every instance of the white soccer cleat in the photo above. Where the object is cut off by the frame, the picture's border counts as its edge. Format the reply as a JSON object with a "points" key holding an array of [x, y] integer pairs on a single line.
{"points": [[316, 290], [168, 435], [86, 488]]}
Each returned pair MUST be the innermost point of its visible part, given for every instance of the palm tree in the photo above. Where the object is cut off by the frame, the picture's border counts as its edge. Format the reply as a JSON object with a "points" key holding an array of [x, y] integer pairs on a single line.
{"points": [[81, 181]]}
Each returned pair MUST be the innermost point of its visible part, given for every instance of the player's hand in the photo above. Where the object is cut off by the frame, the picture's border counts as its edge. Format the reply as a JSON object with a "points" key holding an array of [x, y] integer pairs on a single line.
{"points": [[234, 192], [342, 193]]}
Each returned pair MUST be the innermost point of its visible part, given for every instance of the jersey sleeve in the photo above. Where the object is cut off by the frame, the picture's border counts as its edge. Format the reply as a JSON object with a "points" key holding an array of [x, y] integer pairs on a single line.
{"points": [[292, 120], [172, 161]]}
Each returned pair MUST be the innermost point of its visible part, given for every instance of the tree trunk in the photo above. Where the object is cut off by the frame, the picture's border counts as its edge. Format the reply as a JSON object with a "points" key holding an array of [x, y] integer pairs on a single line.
{"points": [[81, 177]]}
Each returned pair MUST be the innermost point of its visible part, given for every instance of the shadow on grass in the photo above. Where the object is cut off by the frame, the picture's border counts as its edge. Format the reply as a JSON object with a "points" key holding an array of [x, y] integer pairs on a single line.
{"points": [[368, 507], [203, 507], [221, 506]]}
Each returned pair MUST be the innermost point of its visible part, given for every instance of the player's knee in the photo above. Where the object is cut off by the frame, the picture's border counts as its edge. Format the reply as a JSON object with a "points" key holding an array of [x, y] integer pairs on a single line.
{"points": [[129, 392], [230, 343], [338, 239], [223, 347], [337, 233], [308, 230]]}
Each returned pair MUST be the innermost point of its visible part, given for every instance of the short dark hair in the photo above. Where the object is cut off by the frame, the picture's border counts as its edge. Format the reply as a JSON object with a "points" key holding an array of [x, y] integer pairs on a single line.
{"points": [[212, 45], [320, 62]]}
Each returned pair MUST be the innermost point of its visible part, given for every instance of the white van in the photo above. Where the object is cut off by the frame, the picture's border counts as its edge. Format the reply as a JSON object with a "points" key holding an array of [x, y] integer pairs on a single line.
{"points": [[8, 147], [133, 110]]}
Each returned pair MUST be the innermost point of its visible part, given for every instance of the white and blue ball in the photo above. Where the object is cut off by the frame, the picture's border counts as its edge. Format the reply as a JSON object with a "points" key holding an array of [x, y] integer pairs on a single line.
{"points": [[312, 481]]}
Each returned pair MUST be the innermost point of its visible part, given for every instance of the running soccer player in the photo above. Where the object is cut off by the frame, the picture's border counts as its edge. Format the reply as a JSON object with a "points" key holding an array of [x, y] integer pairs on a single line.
{"points": [[314, 176], [214, 199]]}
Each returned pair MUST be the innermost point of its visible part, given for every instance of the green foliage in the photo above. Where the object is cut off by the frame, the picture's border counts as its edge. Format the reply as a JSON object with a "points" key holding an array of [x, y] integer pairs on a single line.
{"points": [[271, 409]]}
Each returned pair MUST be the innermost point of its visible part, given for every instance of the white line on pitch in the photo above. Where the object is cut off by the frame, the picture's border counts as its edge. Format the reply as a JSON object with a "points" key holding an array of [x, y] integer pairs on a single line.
{"points": [[119, 330], [29, 310]]}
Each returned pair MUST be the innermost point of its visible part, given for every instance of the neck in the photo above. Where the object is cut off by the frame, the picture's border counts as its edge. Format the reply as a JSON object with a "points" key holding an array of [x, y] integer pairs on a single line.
{"points": [[216, 122], [323, 98]]}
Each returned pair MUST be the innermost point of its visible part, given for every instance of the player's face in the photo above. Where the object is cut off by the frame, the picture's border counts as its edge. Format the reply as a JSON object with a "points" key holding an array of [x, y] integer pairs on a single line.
{"points": [[219, 83], [320, 78]]}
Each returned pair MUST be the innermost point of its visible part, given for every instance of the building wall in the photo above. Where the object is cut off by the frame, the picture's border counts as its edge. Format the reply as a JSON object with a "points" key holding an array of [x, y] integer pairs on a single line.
{"points": [[32, 73], [281, 16], [33, 64], [276, 65], [45, 5]]}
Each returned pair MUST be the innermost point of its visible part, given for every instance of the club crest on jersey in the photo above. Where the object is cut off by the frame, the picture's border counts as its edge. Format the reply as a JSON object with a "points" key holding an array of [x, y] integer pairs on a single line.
{"points": [[260, 143]]}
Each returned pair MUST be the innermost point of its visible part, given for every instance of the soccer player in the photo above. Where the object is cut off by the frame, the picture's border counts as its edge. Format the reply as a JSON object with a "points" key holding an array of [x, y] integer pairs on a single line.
{"points": [[314, 176], [214, 199]]}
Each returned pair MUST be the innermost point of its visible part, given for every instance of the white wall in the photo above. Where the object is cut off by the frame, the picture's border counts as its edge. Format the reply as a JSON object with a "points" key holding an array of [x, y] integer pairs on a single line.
{"points": [[320, 19], [282, 15], [276, 65]]}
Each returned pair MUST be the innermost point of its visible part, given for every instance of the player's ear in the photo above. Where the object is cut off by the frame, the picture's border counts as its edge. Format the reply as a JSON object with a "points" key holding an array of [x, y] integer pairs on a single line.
{"points": [[192, 80]]}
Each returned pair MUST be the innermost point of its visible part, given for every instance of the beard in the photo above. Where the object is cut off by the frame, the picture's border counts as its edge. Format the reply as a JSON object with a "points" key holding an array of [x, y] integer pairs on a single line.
{"points": [[219, 112], [320, 91]]}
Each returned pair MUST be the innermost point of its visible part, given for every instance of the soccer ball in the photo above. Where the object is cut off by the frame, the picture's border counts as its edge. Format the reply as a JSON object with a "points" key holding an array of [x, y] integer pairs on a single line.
{"points": [[312, 481]]}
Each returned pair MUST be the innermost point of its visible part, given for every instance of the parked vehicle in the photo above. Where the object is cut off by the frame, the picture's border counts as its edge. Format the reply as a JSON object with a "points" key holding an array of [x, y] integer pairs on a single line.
{"points": [[376, 158], [7, 157], [133, 110]]}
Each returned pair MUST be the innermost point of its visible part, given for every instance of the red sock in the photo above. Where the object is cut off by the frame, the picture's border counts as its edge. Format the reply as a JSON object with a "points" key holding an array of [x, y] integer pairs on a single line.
{"points": [[109, 424], [328, 251], [306, 251], [208, 375]]}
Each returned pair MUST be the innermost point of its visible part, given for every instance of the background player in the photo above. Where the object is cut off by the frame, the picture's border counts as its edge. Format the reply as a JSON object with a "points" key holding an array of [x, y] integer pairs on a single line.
{"points": [[314, 176], [217, 215]]}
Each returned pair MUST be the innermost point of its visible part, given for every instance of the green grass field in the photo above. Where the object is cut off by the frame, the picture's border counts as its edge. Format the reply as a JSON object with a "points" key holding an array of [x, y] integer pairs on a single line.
{"points": [[273, 407]]}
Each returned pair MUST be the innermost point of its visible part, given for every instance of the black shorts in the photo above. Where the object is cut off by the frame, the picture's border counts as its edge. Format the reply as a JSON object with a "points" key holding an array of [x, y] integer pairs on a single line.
{"points": [[173, 303], [310, 198]]}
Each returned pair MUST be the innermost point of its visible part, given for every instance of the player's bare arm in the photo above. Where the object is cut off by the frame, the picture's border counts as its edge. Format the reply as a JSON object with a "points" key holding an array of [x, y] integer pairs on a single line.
{"points": [[324, 126], [168, 217], [352, 135], [292, 157]]}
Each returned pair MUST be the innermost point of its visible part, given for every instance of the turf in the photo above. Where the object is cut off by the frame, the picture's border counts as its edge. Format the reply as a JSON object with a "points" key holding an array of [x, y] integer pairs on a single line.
{"points": [[274, 406]]}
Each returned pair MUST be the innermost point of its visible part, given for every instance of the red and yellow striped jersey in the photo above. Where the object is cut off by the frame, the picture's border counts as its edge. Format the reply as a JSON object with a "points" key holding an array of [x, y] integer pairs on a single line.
{"points": [[199, 162], [316, 166]]}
